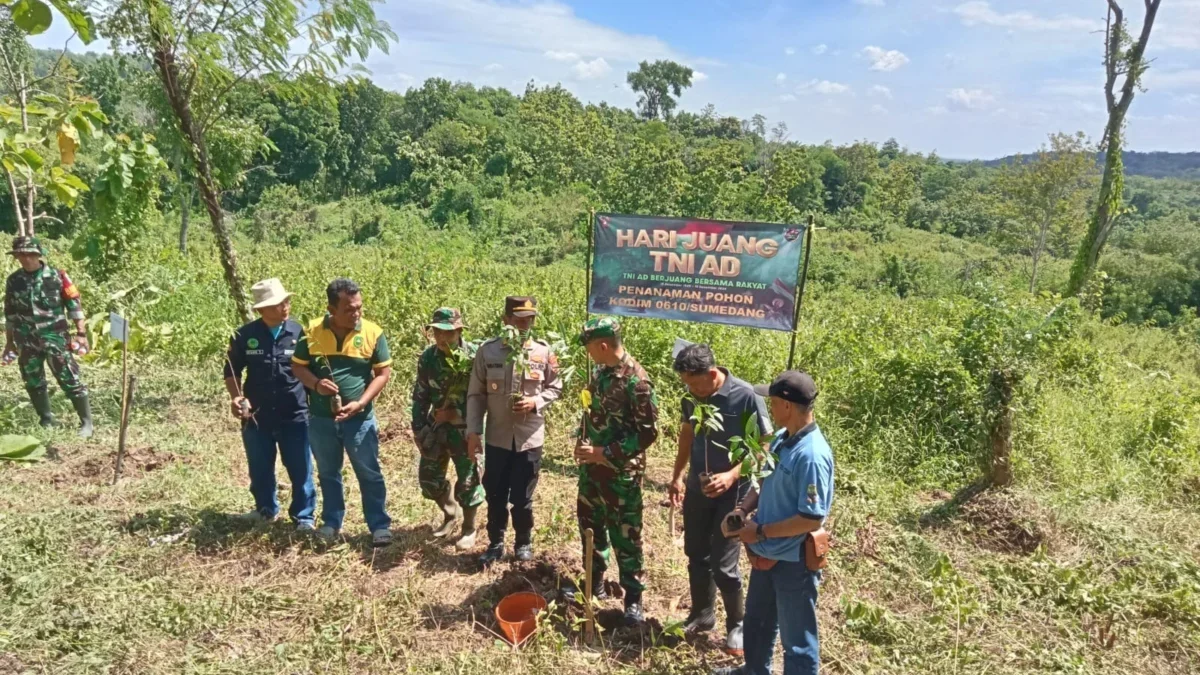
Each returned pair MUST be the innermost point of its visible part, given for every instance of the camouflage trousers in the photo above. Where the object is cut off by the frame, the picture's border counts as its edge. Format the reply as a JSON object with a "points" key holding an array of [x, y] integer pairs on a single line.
{"points": [[34, 352], [610, 503], [441, 445]]}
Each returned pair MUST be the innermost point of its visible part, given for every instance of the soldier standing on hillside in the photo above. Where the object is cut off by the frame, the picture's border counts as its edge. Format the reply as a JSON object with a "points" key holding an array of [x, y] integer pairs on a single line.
{"points": [[439, 424], [620, 424], [511, 384], [39, 300]]}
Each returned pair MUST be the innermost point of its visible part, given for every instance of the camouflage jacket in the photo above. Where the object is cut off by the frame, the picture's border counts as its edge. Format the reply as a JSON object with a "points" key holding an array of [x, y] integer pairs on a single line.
{"points": [[440, 384], [40, 302], [623, 416]]}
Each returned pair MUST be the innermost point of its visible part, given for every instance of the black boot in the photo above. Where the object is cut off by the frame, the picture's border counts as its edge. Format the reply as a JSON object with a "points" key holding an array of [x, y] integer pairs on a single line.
{"points": [[494, 553], [41, 403], [84, 409], [633, 608], [735, 613], [523, 549], [703, 616], [571, 592]]}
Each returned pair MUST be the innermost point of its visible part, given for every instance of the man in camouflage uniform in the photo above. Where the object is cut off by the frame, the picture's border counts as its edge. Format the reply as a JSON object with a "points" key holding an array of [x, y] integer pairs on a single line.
{"points": [[439, 424], [38, 302], [620, 425]]}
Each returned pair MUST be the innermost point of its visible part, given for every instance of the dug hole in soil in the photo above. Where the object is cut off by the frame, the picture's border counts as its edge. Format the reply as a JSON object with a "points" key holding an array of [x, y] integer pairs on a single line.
{"points": [[137, 461], [547, 575], [1000, 521]]}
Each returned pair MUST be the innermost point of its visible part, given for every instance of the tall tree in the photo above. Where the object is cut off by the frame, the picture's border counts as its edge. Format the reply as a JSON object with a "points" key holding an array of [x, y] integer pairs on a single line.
{"points": [[1124, 61], [202, 49], [1047, 193], [658, 84]]}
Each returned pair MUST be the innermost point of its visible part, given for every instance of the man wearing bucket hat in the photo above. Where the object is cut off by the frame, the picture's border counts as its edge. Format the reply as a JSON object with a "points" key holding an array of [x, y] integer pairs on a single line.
{"points": [[514, 401], [620, 423], [272, 405], [439, 424], [40, 303], [785, 539]]}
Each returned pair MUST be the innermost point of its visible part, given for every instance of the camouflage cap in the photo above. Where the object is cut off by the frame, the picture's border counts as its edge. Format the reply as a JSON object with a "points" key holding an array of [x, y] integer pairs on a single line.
{"points": [[600, 327], [27, 245], [446, 318]]}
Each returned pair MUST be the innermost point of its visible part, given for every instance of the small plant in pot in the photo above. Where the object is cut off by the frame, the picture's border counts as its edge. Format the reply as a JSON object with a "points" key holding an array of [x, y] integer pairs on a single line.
{"points": [[705, 420], [754, 462]]}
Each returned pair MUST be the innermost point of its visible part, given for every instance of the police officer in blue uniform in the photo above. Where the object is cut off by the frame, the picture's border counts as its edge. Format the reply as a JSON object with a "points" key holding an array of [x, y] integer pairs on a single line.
{"points": [[789, 513], [272, 406]]}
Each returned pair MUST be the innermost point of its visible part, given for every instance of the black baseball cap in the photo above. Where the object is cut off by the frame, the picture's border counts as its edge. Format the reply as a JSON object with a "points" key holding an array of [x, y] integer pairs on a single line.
{"points": [[791, 385]]}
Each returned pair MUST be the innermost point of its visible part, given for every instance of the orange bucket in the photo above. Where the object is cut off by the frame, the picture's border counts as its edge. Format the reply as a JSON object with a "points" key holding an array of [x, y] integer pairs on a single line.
{"points": [[517, 615]]}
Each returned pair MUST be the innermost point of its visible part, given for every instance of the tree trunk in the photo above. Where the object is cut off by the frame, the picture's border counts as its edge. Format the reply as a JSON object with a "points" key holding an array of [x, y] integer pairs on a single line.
{"points": [[1037, 252], [1131, 64], [168, 74], [1000, 432], [30, 187], [185, 212]]}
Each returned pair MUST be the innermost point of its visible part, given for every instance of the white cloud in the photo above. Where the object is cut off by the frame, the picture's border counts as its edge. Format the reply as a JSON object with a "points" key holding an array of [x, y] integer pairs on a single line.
{"points": [[879, 90], [879, 110], [789, 50], [561, 56], [870, 3], [493, 67], [938, 110], [1178, 26], [969, 99], [698, 77], [787, 98], [590, 70], [1188, 99], [820, 49], [780, 78], [823, 87], [980, 13], [884, 60]]}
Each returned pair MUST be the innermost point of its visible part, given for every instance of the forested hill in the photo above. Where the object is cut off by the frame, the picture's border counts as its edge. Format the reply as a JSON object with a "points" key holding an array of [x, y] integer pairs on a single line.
{"points": [[1151, 164]]}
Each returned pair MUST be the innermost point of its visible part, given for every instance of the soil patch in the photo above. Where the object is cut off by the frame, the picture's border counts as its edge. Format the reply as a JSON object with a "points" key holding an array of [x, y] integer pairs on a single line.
{"points": [[137, 461], [1000, 521]]}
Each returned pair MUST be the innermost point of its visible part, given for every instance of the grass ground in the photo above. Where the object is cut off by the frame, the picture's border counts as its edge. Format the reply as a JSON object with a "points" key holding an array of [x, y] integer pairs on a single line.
{"points": [[153, 575]]}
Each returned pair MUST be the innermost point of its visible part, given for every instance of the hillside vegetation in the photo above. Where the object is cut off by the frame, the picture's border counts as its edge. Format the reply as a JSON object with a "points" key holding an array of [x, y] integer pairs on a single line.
{"points": [[922, 294]]}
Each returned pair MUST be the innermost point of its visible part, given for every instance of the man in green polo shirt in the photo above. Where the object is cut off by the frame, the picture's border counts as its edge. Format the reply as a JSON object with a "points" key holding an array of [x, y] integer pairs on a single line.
{"points": [[344, 362]]}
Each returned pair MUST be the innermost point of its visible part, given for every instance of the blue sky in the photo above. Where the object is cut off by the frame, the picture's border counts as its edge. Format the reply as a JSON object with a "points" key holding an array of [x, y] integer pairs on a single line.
{"points": [[967, 78]]}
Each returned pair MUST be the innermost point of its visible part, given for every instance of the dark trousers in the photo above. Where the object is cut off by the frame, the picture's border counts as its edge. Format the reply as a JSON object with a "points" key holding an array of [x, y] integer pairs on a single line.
{"points": [[782, 601], [292, 443], [509, 478], [712, 559]]}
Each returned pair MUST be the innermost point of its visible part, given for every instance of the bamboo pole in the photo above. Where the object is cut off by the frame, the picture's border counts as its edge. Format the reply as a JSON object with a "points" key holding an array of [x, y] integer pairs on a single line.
{"points": [[588, 552]]}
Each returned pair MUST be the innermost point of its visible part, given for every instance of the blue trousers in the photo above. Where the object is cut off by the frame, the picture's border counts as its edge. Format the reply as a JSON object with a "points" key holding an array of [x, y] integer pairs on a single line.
{"points": [[358, 439], [291, 440], [782, 600]]}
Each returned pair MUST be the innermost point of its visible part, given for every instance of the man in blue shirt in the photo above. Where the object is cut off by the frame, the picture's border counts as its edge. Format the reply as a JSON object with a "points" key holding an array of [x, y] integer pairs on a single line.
{"points": [[272, 405], [792, 503]]}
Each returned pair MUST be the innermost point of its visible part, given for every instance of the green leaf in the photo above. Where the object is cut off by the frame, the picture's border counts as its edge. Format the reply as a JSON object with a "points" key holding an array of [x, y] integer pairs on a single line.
{"points": [[79, 20], [31, 16], [31, 158], [21, 449]]}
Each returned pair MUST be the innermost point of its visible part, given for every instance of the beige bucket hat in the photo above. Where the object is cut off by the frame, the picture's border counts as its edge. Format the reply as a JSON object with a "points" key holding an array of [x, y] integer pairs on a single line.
{"points": [[268, 293]]}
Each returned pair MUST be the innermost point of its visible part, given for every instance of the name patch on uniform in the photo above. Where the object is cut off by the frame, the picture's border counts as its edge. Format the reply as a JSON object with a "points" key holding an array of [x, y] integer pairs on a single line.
{"points": [[255, 352], [289, 352]]}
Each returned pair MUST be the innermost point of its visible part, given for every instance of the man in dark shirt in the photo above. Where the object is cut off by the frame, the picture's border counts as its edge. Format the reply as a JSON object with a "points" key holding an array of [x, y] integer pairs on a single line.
{"points": [[713, 486], [272, 405]]}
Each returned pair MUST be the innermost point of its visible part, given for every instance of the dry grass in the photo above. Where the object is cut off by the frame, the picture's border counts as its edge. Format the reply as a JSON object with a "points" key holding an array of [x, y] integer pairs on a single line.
{"points": [[154, 576]]}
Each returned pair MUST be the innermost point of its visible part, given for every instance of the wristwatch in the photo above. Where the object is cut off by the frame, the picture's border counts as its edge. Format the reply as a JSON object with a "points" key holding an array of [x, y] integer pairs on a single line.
{"points": [[762, 536]]}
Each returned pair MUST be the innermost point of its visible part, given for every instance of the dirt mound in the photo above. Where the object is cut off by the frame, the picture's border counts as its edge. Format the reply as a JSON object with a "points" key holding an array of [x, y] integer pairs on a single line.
{"points": [[137, 461], [1002, 522]]}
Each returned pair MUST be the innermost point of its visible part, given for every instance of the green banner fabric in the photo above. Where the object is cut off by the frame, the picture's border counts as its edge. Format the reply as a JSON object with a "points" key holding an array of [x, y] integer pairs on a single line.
{"points": [[741, 274]]}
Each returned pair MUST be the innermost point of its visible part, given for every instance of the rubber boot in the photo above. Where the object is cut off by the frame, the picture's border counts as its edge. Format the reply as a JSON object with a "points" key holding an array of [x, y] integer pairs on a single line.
{"points": [[467, 541], [41, 403], [84, 409], [633, 608], [735, 613], [450, 511], [703, 616]]}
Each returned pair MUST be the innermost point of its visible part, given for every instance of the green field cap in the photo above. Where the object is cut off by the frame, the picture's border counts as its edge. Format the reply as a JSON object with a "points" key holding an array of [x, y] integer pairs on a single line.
{"points": [[446, 318], [600, 327]]}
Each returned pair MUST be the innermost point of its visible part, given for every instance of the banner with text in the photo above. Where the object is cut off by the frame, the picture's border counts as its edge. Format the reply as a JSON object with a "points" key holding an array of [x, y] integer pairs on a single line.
{"points": [[743, 274]]}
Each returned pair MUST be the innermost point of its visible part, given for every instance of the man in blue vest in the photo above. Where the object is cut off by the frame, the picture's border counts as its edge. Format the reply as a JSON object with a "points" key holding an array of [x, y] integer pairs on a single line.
{"points": [[790, 506], [272, 405]]}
